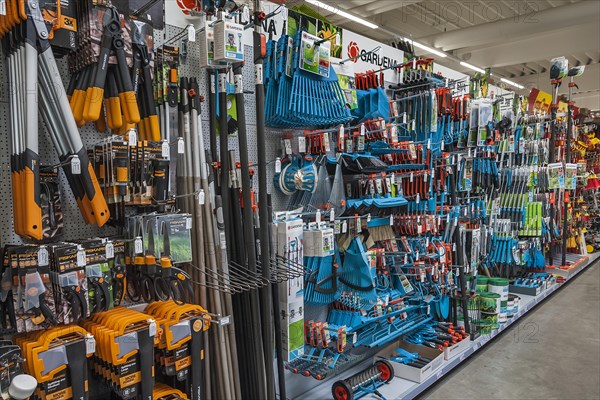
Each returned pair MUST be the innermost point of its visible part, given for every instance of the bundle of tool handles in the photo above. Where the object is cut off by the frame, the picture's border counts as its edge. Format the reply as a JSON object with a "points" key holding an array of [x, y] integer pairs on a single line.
{"points": [[30, 60]]}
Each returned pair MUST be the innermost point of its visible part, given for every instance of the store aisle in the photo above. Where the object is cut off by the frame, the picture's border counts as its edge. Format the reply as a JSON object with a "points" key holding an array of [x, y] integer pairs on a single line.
{"points": [[551, 353]]}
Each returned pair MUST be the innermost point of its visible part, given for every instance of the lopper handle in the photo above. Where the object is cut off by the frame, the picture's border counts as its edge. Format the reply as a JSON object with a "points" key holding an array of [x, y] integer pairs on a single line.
{"points": [[127, 95], [95, 92], [32, 209]]}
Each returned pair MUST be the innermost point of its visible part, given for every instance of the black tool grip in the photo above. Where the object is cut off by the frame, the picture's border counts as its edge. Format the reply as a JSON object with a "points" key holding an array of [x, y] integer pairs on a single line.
{"points": [[78, 371]]}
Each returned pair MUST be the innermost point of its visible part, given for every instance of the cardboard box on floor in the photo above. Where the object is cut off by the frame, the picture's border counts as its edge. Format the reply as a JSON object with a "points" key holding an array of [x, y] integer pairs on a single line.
{"points": [[406, 371]]}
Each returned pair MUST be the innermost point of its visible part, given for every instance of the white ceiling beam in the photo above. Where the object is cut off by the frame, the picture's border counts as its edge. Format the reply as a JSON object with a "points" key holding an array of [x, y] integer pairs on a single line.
{"points": [[380, 7], [507, 30], [552, 44], [437, 21]]}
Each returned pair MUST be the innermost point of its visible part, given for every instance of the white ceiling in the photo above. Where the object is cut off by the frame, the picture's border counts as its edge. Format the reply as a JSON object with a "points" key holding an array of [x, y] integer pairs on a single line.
{"points": [[515, 38]]}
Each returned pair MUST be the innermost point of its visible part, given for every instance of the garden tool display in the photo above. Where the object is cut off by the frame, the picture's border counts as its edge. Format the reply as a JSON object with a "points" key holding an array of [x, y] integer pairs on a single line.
{"points": [[57, 359], [34, 62], [325, 104], [112, 40], [181, 346], [124, 355]]}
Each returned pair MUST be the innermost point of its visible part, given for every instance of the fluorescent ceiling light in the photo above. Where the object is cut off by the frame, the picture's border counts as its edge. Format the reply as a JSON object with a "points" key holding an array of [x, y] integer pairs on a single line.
{"points": [[341, 13], [474, 68], [512, 83], [427, 48]]}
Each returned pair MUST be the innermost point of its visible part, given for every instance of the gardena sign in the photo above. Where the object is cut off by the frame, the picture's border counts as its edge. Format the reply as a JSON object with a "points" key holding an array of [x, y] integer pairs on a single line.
{"points": [[359, 46]]}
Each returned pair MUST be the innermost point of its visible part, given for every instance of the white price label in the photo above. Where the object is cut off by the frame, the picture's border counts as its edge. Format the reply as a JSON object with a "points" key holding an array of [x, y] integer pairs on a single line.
{"points": [[331, 215], [278, 165], [151, 327], [201, 197], [81, 260], [318, 216], [287, 144], [362, 129], [188, 223], [138, 246], [301, 144], [110, 250], [90, 344], [344, 227], [132, 137], [223, 321], [165, 150], [42, 256], [180, 146], [326, 142], [191, 33], [258, 74], [75, 165], [391, 220]]}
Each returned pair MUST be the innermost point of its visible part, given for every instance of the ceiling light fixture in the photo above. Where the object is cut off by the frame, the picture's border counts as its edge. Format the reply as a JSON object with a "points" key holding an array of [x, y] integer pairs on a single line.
{"points": [[427, 48], [474, 68], [512, 83], [341, 13]]}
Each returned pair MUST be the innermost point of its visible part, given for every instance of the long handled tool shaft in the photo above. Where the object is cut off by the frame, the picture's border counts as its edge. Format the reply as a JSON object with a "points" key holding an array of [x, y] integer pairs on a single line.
{"points": [[265, 253]]}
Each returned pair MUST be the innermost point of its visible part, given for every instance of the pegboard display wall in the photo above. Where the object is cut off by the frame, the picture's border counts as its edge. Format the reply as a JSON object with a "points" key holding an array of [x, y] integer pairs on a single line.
{"points": [[74, 227]]}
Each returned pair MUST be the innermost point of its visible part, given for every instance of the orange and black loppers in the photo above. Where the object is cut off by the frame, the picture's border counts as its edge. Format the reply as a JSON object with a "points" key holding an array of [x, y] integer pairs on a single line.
{"points": [[31, 59]]}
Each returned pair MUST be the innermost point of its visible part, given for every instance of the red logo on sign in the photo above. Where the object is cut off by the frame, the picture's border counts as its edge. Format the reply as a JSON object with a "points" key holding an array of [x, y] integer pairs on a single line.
{"points": [[353, 51], [189, 5]]}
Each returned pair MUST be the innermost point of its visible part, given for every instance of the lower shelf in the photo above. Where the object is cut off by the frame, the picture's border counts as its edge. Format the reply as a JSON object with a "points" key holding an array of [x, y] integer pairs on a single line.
{"points": [[400, 388]]}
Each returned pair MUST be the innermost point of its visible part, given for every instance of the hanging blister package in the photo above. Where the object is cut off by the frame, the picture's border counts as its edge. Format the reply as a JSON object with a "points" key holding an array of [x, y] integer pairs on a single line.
{"points": [[52, 215], [314, 57], [556, 176], [180, 236], [228, 41], [206, 37], [485, 118], [570, 176], [473, 124]]}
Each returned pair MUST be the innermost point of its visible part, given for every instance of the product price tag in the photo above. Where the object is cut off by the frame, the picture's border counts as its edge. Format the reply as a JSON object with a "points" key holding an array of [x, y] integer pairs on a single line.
{"points": [[42, 256], [132, 137], [318, 216], [110, 250], [201, 197], [188, 223], [90, 344], [180, 146], [362, 129], [331, 215], [75, 165], [165, 150], [138, 246], [278, 165], [191, 33], [344, 227], [326, 142], [151, 327], [81, 261], [287, 144], [224, 321], [301, 144], [391, 220]]}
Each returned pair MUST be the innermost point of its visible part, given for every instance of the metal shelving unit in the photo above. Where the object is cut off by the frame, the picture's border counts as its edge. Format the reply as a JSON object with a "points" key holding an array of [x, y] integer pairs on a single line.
{"points": [[404, 389]]}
